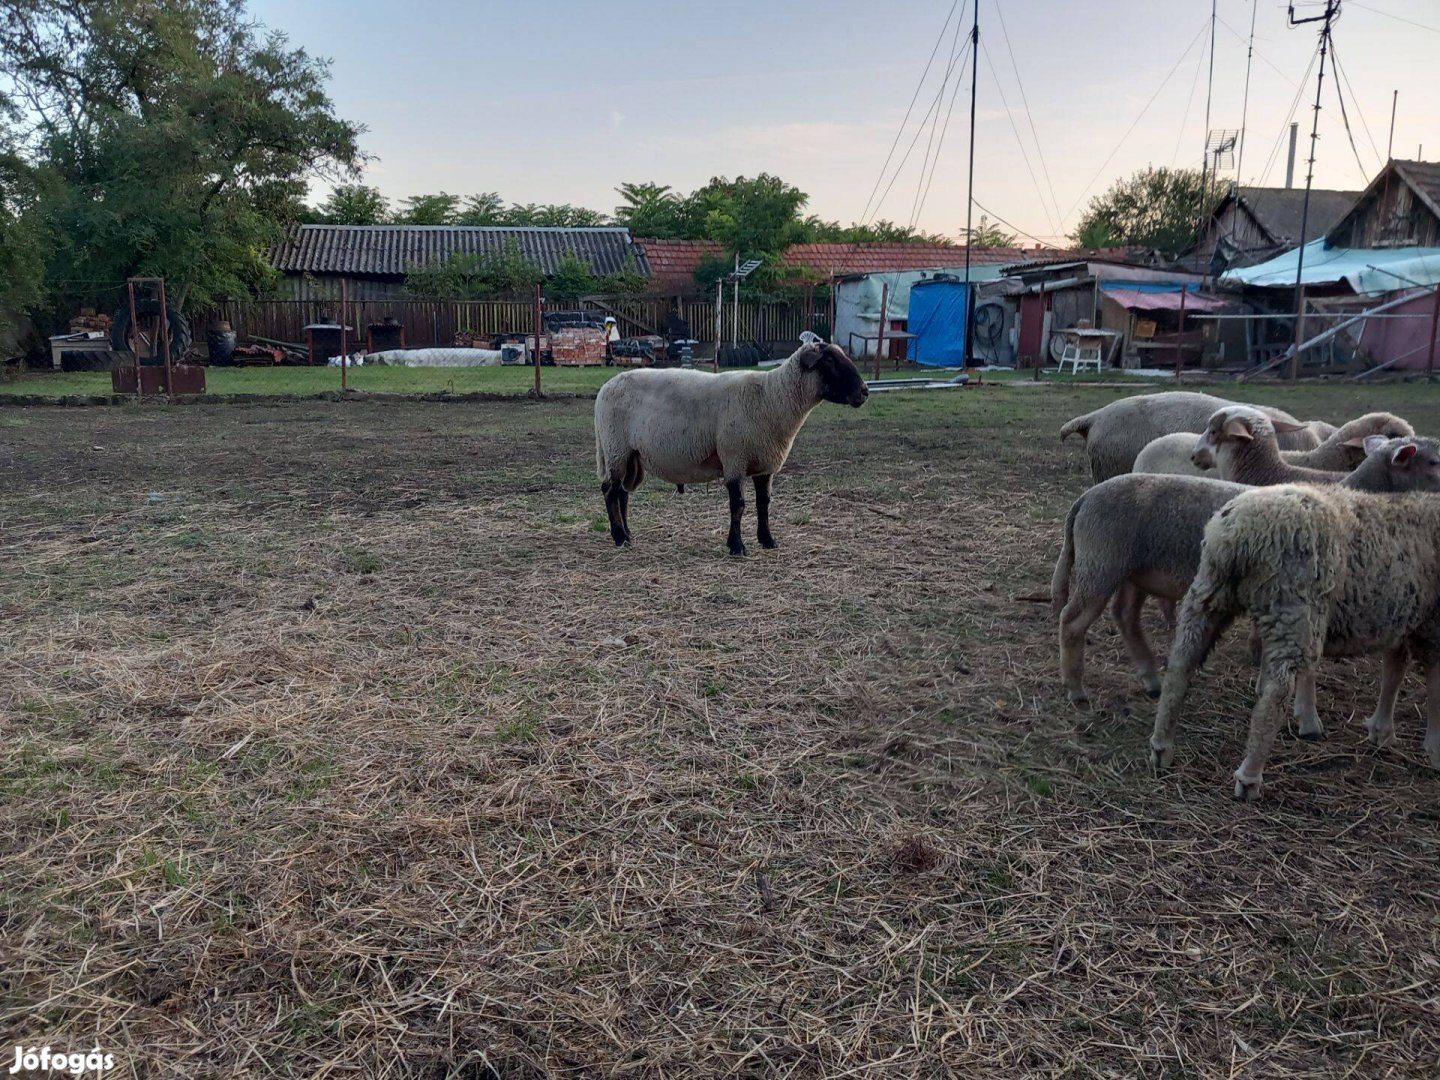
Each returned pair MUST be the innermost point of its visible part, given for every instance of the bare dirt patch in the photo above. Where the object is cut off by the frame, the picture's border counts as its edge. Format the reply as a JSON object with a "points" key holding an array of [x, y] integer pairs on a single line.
{"points": [[337, 739]]}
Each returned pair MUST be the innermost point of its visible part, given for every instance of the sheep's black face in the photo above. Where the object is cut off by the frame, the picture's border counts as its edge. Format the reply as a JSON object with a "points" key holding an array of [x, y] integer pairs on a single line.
{"points": [[840, 380]]}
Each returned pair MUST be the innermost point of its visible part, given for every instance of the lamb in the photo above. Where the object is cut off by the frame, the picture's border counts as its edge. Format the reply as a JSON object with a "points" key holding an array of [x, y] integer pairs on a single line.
{"points": [[1340, 452], [1139, 534], [689, 426], [1115, 434], [1320, 570], [1242, 443]]}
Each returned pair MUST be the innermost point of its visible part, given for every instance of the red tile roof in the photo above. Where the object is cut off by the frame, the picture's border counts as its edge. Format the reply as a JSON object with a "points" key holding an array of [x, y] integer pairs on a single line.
{"points": [[673, 262]]}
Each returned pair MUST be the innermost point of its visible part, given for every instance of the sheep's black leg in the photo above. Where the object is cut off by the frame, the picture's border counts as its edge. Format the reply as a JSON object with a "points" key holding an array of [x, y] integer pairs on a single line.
{"points": [[625, 512], [614, 494], [680, 488], [737, 511], [762, 512]]}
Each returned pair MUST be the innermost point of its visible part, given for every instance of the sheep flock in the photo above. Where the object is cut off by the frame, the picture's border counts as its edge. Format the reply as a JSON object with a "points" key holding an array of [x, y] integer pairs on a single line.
{"points": [[1322, 537]]}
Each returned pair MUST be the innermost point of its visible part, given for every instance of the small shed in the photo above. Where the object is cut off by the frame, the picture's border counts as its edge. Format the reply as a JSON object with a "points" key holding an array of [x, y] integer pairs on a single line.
{"points": [[858, 297]]}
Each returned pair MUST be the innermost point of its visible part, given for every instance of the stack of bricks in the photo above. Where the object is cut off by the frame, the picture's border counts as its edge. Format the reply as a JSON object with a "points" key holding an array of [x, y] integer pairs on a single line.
{"points": [[89, 321], [578, 346]]}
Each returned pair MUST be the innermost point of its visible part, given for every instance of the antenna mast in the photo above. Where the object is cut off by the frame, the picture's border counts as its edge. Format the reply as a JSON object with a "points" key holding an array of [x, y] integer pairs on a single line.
{"points": [[1332, 9], [970, 193]]}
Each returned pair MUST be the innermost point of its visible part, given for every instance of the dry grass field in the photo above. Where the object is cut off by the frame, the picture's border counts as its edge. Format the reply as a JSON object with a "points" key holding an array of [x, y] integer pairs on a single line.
{"points": [[337, 740]]}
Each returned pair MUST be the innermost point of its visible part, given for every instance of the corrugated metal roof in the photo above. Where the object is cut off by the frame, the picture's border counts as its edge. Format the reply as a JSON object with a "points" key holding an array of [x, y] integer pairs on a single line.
{"points": [[390, 250], [677, 260], [1366, 270]]}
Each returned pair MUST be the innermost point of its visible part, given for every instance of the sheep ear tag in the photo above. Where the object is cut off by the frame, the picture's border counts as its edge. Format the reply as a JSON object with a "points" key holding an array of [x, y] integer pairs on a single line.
{"points": [[1403, 453], [1285, 426], [1237, 429]]}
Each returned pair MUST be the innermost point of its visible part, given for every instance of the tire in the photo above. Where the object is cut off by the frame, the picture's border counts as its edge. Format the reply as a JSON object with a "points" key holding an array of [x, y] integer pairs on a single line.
{"points": [[180, 337]]}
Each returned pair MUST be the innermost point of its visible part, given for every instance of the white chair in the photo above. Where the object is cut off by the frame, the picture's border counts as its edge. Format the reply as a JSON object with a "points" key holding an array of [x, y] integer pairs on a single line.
{"points": [[1082, 350]]}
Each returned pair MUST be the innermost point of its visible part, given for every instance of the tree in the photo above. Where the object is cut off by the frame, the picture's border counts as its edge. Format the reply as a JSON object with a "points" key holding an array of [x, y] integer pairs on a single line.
{"points": [[1154, 208], [506, 272], [354, 204], [649, 210], [572, 279], [441, 209], [167, 137], [22, 262], [988, 236], [487, 208], [750, 216]]}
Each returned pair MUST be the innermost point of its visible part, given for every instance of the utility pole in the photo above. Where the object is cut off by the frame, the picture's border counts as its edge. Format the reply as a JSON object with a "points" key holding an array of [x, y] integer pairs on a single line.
{"points": [[1332, 8], [970, 193], [1205, 162]]}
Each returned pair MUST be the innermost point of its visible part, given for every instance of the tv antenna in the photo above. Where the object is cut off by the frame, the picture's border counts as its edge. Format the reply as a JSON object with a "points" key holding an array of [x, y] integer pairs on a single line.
{"points": [[1327, 19], [1220, 148]]}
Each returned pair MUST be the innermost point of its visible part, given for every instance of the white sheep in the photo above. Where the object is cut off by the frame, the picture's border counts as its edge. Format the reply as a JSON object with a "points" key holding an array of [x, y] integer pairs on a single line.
{"points": [[1319, 570], [1115, 435], [1139, 535], [689, 426], [1340, 452]]}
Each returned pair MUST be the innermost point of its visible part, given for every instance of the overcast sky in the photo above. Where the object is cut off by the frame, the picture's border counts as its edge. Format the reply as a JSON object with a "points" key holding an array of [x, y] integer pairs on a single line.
{"points": [[562, 100]]}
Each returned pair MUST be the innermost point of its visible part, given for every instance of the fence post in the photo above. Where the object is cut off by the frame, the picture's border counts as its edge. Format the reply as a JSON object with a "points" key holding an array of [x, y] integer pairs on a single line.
{"points": [[880, 338], [165, 338], [1434, 330], [344, 339], [135, 341], [539, 326], [719, 307]]}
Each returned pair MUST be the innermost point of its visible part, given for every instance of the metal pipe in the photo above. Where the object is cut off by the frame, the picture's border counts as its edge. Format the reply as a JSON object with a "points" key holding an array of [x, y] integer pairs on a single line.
{"points": [[1390, 146], [1434, 331], [970, 189], [165, 340], [539, 326], [880, 337], [1290, 159], [719, 319], [1180, 344], [1331, 6], [832, 305], [344, 338], [135, 340], [735, 315]]}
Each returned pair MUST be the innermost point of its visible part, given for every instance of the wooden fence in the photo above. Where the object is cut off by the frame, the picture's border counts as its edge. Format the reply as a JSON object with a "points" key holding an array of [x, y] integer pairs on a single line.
{"points": [[429, 322]]}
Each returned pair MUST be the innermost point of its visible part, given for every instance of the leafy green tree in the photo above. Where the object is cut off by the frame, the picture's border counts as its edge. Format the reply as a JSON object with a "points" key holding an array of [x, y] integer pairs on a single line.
{"points": [[487, 208], [167, 137], [441, 209], [750, 216], [1154, 208], [553, 215], [652, 210], [502, 273], [22, 261], [627, 281], [353, 204], [986, 235], [572, 279]]}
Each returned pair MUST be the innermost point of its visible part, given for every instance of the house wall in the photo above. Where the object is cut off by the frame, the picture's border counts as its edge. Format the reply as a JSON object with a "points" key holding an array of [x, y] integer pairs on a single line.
{"points": [[1392, 217]]}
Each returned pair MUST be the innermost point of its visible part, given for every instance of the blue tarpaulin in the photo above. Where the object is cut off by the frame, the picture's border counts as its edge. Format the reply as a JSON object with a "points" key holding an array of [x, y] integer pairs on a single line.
{"points": [[937, 319]]}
